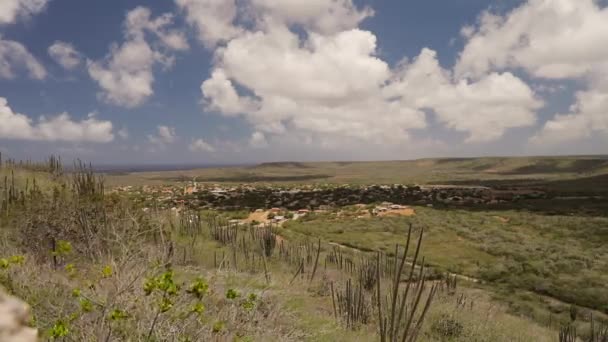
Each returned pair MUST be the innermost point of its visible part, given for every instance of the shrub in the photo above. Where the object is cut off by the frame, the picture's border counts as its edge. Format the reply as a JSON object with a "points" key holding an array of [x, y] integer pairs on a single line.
{"points": [[447, 327]]}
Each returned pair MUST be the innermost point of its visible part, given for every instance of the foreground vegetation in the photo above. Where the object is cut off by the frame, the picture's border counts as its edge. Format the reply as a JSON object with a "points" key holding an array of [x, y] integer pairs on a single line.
{"points": [[96, 267]]}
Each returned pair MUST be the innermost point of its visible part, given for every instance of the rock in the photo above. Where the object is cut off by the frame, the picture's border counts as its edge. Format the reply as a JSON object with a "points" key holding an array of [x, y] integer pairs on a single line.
{"points": [[14, 315]]}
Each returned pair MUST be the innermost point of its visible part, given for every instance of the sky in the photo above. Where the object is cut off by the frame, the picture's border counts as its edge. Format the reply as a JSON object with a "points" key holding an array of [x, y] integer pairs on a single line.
{"points": [[245, 81]]}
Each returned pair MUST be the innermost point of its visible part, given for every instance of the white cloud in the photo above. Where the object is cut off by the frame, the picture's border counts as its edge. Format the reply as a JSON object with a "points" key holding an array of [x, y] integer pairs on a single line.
{"points": [[329, 87], [139, 21], [58, 128], [12, 10], [126, 74], [62, 127], [13, 55], [216, 20], [123, 133], [321, 16], [127, 80], [201, 145], [549, 39], [484, 109], [258, 140], [589, 114], [316, 86], [222, 96], [213, 19], [563, 127], [65, 54], [165, 135]]}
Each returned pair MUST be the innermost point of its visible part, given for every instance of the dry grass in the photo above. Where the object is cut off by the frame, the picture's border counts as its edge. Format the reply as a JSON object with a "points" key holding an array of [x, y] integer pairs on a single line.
{"points": [[97, 268]]}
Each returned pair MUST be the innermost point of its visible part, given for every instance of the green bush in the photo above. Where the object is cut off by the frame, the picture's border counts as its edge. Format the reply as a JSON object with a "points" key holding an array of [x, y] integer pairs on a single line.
{"points": [[447, 327]]}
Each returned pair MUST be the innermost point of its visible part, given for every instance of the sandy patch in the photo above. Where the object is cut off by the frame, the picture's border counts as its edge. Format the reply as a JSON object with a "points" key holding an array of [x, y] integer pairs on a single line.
{"points": [[261, 217], [502, 219], [398, 212]]}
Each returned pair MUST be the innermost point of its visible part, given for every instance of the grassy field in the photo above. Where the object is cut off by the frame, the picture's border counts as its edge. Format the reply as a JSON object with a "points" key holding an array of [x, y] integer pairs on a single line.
{"points": [[560, 173], [95, 266], [563, 257]]}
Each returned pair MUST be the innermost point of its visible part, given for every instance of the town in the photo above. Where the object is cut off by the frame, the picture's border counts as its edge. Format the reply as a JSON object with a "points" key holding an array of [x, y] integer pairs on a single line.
{"points": [[274, 204]]}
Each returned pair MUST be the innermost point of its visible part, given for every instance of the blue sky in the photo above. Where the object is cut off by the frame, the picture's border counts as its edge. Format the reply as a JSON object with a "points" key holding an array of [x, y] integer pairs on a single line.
{"points": [[224, 81]]}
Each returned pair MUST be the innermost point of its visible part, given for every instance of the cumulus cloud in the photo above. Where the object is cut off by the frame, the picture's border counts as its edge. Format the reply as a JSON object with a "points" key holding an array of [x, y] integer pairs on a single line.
{"points": [[314, 85], [484, 109], [126, 74], [222, 96], [306, 69], [213, 19], [65, 54], [322, 16], [12, 10], [139, 21], [563, 127], [165, 135], [58, 128], [14, 56], [588, 115], [200, 145], [549, 39]]}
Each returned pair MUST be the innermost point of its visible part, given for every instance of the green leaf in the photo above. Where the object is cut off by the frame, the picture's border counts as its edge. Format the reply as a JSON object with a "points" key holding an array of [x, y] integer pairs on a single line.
{"points": [[198, 308], [107, 271], [149, 286], [62, 248], [232, 294], [165, 304], [118, 314], [218, 326], [199, 288], [59, 329], [16, 259], [86, 305]]}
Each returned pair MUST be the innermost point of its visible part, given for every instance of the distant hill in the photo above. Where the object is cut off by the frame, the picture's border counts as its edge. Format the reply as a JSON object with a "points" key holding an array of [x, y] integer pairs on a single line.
{"points": [[420, 171]]}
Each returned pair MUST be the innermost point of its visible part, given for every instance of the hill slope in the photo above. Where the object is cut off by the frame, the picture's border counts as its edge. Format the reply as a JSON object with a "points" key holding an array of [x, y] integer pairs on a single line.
{"points": [[421, 171]]}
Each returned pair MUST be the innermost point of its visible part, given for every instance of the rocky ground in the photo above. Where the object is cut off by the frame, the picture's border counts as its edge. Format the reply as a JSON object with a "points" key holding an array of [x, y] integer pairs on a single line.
{"points": [[14, 319]]}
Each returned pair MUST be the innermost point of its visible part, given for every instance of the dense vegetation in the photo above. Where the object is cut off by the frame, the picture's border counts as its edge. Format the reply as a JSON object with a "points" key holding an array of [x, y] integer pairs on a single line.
{"points": [[96, 267], [562, 257]]}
